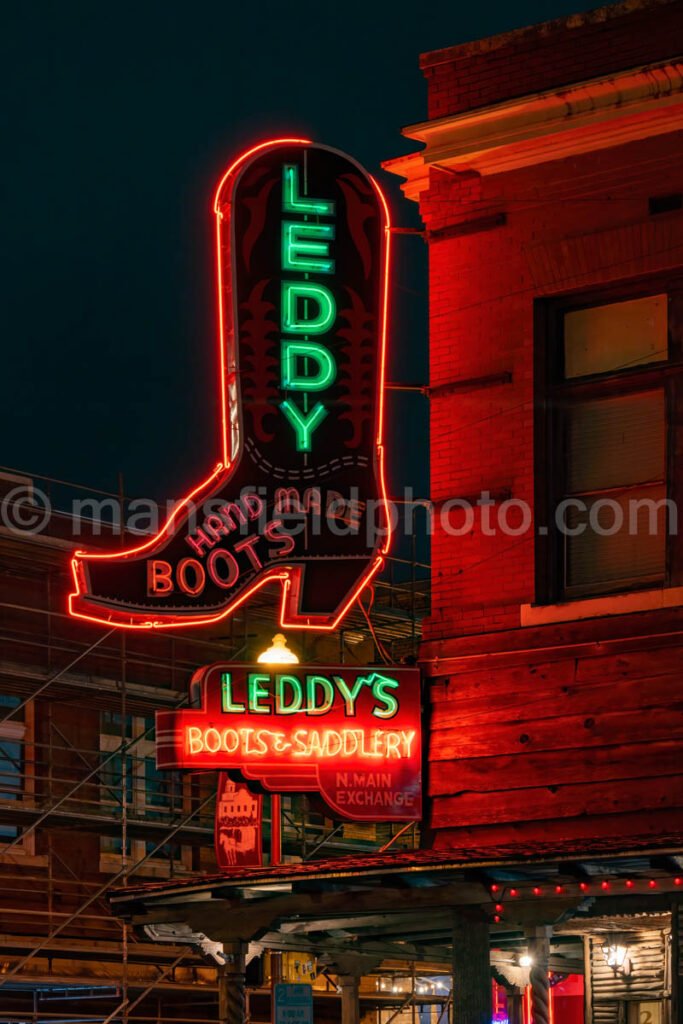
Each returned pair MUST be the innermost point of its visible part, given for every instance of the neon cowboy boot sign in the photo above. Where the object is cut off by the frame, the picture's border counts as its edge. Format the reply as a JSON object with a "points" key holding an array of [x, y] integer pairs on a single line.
{"points": [[298, 497]]}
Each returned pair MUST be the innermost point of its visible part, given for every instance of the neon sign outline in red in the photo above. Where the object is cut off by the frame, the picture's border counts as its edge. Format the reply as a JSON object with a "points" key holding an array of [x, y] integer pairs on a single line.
{"points": [[114, 611]]}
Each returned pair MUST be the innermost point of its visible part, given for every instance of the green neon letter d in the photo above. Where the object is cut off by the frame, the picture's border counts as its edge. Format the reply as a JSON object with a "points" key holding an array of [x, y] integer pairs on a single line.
{"points": [[296, 297], [324, 367]]}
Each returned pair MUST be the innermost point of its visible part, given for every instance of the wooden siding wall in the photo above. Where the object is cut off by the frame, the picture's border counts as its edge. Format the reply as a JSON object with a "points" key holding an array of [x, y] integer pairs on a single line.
{"points": [[648, 981], [563, 747]]}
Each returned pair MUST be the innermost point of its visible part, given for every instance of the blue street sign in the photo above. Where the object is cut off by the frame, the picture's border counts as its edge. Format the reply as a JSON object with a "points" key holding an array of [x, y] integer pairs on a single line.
{"points": [[293, 1004]]}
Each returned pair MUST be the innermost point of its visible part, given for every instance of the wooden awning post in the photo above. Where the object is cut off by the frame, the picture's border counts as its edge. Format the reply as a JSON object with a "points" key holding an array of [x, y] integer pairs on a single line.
{"points": [[539, 951], [471, 970], [350, 1003], [515, 1012], [232, 985]]}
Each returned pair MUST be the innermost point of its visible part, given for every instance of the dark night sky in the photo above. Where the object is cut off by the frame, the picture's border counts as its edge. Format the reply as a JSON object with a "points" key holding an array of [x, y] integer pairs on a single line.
{"points": [[119, 120]]}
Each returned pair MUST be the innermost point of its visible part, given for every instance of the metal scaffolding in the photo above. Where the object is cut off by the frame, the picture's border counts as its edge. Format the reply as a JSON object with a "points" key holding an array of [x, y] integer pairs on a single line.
{"points": [[63, 773]]}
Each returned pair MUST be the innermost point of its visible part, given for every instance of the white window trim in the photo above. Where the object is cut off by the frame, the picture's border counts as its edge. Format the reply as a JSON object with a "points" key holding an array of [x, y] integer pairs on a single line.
{"points": [[597, 607]]}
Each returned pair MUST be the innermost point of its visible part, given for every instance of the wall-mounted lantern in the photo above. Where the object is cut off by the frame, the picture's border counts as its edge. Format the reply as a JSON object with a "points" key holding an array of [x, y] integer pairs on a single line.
{"points": [[616, 953]]}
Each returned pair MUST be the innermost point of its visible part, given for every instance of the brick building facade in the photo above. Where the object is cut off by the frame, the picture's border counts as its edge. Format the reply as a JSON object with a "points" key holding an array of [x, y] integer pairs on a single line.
{"points": [[550, 189]]}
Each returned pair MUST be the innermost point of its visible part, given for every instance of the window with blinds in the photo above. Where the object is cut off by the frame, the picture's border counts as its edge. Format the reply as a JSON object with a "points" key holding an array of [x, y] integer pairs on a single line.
{"points": [[605, 439]]}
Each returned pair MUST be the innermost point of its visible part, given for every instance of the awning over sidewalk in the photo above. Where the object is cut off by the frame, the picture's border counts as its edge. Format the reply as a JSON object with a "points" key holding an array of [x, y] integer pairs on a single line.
{"points": [[358, 912]]}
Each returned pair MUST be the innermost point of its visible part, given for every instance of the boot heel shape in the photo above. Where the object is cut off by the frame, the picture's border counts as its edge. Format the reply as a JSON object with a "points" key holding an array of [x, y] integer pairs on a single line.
{"points": [[297, 499]]}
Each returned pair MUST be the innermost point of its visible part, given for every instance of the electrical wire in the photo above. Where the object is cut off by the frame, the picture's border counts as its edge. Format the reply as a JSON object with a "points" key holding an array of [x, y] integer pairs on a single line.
{"points": [[378, 644]]}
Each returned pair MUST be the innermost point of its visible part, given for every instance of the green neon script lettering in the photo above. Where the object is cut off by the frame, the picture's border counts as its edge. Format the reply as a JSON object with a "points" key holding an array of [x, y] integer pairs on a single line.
{"points": [[227, 703], [292, 293], [302, 250], [350, 694], [312, 684], [292, 380], [297, 692], [292, 201], [379, 687], [304, 423]]}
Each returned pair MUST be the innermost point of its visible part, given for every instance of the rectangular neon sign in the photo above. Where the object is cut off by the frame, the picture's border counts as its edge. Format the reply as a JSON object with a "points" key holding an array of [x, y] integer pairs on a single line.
{"points": [[351, 734]]}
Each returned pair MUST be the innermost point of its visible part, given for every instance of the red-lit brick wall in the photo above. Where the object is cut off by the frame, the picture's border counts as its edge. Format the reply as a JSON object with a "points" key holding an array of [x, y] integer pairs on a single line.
{"points": [[482, 290], [565, 732], [531, 60]]}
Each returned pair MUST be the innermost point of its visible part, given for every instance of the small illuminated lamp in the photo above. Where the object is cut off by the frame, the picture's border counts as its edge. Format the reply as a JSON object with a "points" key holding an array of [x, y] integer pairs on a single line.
{"points": [[615, 952], [604, 884], [559, 889], [629, 883], [514, 892], [495, 888], [536, 890], [583, 886], [524, 960], [499, 908], [278, 653], [652, 883], [678, 880]]}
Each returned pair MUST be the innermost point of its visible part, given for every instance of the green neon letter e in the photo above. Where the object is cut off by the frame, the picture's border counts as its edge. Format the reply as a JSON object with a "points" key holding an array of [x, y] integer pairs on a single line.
{"points": [[306, 247]]}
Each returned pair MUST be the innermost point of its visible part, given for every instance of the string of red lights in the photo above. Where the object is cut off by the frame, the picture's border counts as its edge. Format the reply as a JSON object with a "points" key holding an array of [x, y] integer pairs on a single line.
{"points": [[501, 892]]}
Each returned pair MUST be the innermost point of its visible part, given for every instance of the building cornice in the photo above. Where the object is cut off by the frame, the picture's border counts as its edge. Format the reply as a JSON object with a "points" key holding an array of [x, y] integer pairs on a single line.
{"points": [[596, 114], [578, 20]]}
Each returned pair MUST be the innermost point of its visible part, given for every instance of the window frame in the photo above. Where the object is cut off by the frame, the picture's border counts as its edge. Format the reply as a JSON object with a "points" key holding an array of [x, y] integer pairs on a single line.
{"points": [[23, 731], [143, 750], [554, 394]]}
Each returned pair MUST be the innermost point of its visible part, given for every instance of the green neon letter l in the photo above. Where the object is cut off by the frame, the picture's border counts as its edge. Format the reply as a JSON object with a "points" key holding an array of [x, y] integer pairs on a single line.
{"points": [[292, 202]]}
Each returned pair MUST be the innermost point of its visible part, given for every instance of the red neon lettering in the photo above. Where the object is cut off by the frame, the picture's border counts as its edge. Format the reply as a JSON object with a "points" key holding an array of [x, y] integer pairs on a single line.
{"points": [[201, 540], [215, 527], [284, 540], [248, 545], [220, 554], [159, 580], [310, 744], [253, 504], [312, 500], [195, 744], [287, 500], [199, 576], [229, 512]]}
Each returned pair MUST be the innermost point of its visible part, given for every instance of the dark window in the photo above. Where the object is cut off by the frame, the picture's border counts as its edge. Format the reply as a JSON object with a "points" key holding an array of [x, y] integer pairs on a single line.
{"points": [[610, 377], [12, 734]]}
